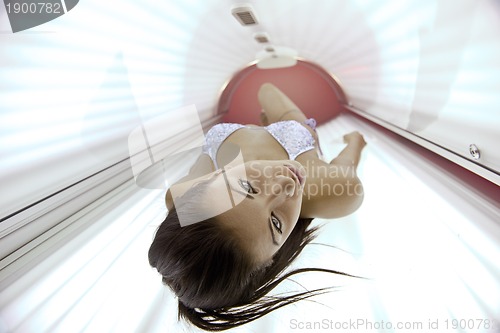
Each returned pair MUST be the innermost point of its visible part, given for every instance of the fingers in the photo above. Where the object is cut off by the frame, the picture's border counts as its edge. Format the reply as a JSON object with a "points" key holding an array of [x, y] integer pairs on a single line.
{"points": [[354, 137]]}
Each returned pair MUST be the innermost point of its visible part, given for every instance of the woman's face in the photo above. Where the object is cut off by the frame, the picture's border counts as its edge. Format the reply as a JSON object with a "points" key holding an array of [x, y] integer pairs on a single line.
{"points": [[259, 202]]}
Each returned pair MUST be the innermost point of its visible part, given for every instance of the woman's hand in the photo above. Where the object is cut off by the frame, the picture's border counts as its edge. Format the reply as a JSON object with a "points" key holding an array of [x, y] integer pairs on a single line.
{"points": [[350, 155], [354, 138]]}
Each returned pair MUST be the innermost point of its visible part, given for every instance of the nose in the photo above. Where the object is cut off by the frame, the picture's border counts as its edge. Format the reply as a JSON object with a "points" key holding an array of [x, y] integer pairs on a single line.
{"points": [[286, 185], [279, 184]]}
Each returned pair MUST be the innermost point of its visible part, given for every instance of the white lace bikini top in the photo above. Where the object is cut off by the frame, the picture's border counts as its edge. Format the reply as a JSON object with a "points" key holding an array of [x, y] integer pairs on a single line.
{"points": [[290, 134]]}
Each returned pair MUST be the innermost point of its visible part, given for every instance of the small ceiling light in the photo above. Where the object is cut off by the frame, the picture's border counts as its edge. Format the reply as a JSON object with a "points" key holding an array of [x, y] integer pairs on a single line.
{"points": [[261, 37]]}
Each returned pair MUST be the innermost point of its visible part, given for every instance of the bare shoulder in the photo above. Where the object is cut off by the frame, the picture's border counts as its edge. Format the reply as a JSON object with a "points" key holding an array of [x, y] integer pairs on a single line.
{"points": [[331, 190]]}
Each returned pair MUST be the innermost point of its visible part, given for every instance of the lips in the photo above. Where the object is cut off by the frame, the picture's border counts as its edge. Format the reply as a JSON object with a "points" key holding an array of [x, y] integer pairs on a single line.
{"points": [[298, 176]]}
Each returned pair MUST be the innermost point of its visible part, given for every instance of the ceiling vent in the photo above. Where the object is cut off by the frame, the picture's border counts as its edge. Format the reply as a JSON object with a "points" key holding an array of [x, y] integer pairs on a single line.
{"points": [[261, 37], [245, 14]]}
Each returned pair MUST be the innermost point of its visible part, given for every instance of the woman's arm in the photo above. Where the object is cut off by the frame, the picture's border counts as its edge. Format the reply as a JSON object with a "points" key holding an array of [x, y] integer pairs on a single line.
{"points": [[334, 187]]}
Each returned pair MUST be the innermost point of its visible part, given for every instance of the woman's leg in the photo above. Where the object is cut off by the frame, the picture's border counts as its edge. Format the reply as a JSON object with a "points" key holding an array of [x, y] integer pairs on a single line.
{"points": [[276, 106]]}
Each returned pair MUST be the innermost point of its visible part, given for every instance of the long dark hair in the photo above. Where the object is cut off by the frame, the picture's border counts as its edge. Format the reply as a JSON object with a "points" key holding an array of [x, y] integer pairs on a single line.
{"points": [[217, 285]]}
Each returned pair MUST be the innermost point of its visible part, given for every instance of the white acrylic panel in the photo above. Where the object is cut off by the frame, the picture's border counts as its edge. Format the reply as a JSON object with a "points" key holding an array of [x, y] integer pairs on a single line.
{"points": [[438, 73], [74, 88], [428, 67]]}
